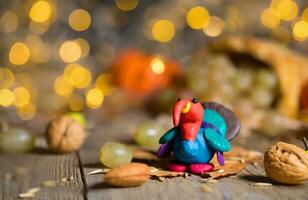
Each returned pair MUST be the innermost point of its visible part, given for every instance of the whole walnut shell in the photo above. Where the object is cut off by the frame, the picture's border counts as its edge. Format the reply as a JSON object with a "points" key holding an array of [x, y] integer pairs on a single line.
{"points": [[286, 163], [64, 134]]}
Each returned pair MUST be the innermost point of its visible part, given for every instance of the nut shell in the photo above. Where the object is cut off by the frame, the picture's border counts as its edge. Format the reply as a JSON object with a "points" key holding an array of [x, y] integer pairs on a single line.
{"points": [[286, 163], [64, 135], [129, 175]]}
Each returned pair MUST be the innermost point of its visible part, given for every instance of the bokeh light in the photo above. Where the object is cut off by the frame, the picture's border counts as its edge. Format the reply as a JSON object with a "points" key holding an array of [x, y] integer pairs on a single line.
{"points": [[70, 51], [76, 103], [19, 53], [163, 30], [300, 30], [39, 28], [127, 5], [286, 9], [197, 17], [84, 46], [79, 76], [282, 34], [63, 86], [9, 22], [269, 18], [95, 98], [22, 96], [7, 78], [79, 20], [157, 66], [40, 51], [305, 15], [40, 11], [26, 112], [104, 83], [215, 27], [6, 97]]}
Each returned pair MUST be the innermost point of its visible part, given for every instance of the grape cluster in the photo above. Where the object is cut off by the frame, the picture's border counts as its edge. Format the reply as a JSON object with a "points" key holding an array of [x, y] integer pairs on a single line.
{"points": [[245, 86]]}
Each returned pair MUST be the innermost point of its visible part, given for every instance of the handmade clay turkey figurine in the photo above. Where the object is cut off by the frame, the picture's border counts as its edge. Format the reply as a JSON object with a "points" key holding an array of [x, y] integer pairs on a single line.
{"points": [[200, 131]]}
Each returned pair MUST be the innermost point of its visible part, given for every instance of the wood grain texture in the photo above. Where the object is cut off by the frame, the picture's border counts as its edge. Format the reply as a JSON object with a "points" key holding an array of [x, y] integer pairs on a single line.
{"points": [[36, 167], [238, 187], [40, 166]]}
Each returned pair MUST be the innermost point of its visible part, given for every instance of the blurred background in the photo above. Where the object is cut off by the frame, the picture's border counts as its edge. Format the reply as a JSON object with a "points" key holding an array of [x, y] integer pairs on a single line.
{"points": [[102, 57]]}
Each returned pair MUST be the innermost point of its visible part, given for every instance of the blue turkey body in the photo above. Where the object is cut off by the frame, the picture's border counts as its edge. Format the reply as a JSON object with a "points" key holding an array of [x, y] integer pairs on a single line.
{"points": [[197, 151]]}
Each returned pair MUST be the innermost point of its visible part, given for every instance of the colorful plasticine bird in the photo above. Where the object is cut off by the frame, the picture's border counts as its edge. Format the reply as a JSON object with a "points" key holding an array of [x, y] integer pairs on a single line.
{"points": [[200, 131]]}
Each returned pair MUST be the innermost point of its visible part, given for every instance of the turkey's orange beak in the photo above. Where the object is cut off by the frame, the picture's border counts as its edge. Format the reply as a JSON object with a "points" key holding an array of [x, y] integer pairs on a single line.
{"points": [[186, 108]]}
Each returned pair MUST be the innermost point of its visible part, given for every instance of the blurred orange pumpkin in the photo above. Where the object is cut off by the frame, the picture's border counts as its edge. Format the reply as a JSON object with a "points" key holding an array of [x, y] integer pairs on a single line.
{"points": [[142, 74]]}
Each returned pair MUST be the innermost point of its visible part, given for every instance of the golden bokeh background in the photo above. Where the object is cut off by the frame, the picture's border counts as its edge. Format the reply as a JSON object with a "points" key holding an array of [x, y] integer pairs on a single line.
{"points": [[56, 54]]}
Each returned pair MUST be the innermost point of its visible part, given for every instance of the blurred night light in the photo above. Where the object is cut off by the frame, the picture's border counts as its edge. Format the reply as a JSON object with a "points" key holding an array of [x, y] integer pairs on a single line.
{"points": [[163, 30], [95, 98], [127, 5], [19, 53], [104, 83], [9, 22], [22, 96], [300, 30], [79, 76], [40, 11], [282, 34], [70, 51], [39, 28], [286, 9], [214, 28], [7, 78], [6, 97], [26, 112], [269, 18], [197, 17], [79, 20], [63, 86], [84, 46], [157, 66], [76, 103], [40, 51], [305, 15]]}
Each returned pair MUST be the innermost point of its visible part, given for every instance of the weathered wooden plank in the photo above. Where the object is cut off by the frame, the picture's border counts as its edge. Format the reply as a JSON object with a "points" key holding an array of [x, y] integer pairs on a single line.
{"points": [[238, 187], [31, 169]]}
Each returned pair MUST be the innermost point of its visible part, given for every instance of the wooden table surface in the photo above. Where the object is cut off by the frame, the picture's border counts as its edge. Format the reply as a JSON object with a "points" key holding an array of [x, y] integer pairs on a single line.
{"points": [[21, 172]]}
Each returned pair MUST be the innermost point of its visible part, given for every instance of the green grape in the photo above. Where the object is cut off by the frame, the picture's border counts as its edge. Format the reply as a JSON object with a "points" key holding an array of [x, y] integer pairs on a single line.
{"points": [[78, 117], [114, 154], [262, 97], [243, 80], [221, 69], [148, 134], [266, 78], [16, 140]]}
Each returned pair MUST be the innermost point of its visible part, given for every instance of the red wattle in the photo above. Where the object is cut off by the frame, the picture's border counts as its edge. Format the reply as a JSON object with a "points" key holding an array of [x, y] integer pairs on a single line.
{"points": [[177, 111]]}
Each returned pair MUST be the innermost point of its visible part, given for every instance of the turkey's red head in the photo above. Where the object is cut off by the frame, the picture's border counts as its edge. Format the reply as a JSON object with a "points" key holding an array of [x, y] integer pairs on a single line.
{"points": [[188, 114]]}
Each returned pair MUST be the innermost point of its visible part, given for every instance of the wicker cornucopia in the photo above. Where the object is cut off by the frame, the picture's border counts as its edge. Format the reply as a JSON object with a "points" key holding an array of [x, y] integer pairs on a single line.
{"points": [[291, 68]]}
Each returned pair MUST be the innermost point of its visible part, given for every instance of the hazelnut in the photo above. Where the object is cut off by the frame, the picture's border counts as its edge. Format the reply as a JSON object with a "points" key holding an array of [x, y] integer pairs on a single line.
{"points": [[286, 163], [64, 134]]}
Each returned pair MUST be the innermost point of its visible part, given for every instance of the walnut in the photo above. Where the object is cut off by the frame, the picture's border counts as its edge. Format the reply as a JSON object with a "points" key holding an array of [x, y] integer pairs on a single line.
{"points": [[286, 163], [64, 134]]}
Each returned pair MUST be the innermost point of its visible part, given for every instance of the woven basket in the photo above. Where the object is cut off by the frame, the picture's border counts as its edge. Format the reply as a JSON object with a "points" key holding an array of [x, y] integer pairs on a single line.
{"points": [[291, 68]]}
